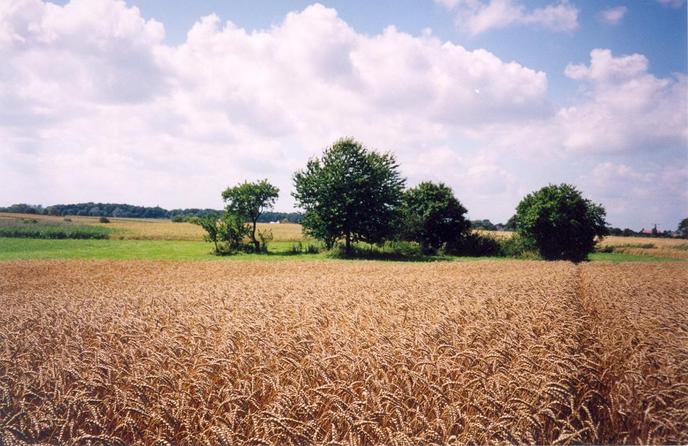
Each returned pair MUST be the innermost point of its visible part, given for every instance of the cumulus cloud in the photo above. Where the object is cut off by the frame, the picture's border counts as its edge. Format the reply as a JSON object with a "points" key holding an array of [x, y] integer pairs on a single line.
{"points": [[477, 17], [627, 108], [91, 87], [657, 188], [613, 16], [94, 105]]}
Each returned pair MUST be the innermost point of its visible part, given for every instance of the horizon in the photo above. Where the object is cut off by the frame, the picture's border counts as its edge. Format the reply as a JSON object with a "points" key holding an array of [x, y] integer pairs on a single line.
{"points": [[163, 103]]}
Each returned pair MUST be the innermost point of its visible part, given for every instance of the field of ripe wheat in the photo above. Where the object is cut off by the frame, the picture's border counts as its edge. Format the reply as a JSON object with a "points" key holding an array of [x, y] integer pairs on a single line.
{"points": [[342, 353], [157, 229]]}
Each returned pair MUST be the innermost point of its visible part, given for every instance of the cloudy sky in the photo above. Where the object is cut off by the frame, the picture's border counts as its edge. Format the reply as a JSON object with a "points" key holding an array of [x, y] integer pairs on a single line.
{"points": [[167, 102]]}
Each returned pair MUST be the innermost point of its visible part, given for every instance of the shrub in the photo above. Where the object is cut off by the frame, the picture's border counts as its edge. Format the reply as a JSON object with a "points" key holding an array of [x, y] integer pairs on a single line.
{"points": [[518, 247], [390, 250], [104, 220], [560, 223], [178, 219], [475, 245]]}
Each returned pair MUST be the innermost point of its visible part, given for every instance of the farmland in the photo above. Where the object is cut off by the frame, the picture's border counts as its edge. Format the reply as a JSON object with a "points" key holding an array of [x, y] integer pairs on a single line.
{"points": [[138, 352]]}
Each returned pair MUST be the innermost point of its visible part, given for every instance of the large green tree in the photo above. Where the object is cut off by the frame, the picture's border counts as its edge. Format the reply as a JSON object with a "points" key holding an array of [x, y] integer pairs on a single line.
{"points": [[248, 201], [560, 223], [350, 193], [432, 216]]}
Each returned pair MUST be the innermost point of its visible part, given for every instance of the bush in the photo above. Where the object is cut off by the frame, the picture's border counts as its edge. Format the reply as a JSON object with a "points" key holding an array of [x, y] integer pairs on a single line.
{"points": [[178, 219], [518, 247], [475, 245], [67, 219], [104, 220], [390, 250], [298, 248], [560, 223]]}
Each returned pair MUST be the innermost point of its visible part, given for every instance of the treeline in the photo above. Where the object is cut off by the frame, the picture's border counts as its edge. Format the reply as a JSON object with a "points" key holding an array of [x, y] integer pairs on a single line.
{"points": [[120, 210]]}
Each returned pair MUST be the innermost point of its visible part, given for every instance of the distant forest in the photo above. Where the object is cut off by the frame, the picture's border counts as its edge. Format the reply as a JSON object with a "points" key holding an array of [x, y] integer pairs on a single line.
{"points": [[130, 211]]}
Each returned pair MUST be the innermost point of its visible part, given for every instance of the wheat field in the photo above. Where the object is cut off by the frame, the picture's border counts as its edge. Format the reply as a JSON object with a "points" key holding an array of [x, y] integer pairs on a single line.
{"points": [[157, 353], [160, 229]]}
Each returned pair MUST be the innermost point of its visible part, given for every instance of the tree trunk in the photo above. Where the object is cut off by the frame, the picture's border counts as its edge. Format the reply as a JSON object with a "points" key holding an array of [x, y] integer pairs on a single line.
{"points": [[253, 237], [348, 243]]}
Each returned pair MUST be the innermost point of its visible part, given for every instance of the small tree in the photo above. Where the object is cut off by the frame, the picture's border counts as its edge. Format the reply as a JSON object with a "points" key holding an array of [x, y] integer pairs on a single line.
{"points": [[248, 201], [560, 223], [432, 216], [350, 193], [232, 230], [210, 224], [226, 232]]}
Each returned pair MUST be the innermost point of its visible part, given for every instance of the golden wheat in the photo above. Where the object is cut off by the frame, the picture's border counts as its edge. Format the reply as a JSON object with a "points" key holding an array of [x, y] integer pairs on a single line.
{"points": [[161, 353]]}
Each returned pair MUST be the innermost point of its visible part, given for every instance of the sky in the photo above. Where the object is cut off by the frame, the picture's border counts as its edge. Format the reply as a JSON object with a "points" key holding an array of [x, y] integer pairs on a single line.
{"points": [[168, 102]]}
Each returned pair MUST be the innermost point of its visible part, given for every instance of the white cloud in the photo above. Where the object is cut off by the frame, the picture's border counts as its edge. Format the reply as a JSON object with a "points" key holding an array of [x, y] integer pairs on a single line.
{"points": [[613, 16], [627, 108], [95, 106], [640, 196], [94, 103], [477, 17]]}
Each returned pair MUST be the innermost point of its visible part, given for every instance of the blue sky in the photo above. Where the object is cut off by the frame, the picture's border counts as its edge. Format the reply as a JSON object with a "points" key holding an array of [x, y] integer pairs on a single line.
{"points": [[148, 102]]}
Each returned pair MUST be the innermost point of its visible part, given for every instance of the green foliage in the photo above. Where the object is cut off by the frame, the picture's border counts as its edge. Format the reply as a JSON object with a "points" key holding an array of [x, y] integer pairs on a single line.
{"points": [[103, 220], [179, 219], [432, 216], [518, 247], [350, 193], [247, 201], [683, 228], [299, 248], [226, 233], [560, 223], [510, 224], [231, 230], [49, 230], [210, 225], [389, 250], [475, 245], [23, 208]]}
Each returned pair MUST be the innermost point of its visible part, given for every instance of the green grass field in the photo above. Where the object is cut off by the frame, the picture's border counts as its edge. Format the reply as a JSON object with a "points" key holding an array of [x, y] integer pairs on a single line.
{"points": [[24, 248]]}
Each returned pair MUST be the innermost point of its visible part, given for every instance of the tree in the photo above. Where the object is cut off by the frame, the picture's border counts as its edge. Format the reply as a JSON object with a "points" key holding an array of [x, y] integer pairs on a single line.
{"points": [[683, 228], [432, 216], [560, 223], [248, 201], [210, 224], [228, 229], [510, 224], [350, 193]]}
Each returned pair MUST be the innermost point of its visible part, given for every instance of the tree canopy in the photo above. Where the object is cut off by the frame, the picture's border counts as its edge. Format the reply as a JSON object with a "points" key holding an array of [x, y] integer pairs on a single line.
{"points": [[248, 201], [432, 216], [683, 228], [560, 223], [350, 193]]}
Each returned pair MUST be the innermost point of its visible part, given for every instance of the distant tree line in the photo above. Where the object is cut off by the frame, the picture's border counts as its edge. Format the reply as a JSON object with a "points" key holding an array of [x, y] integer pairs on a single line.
{"points": [[118, 210]]}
